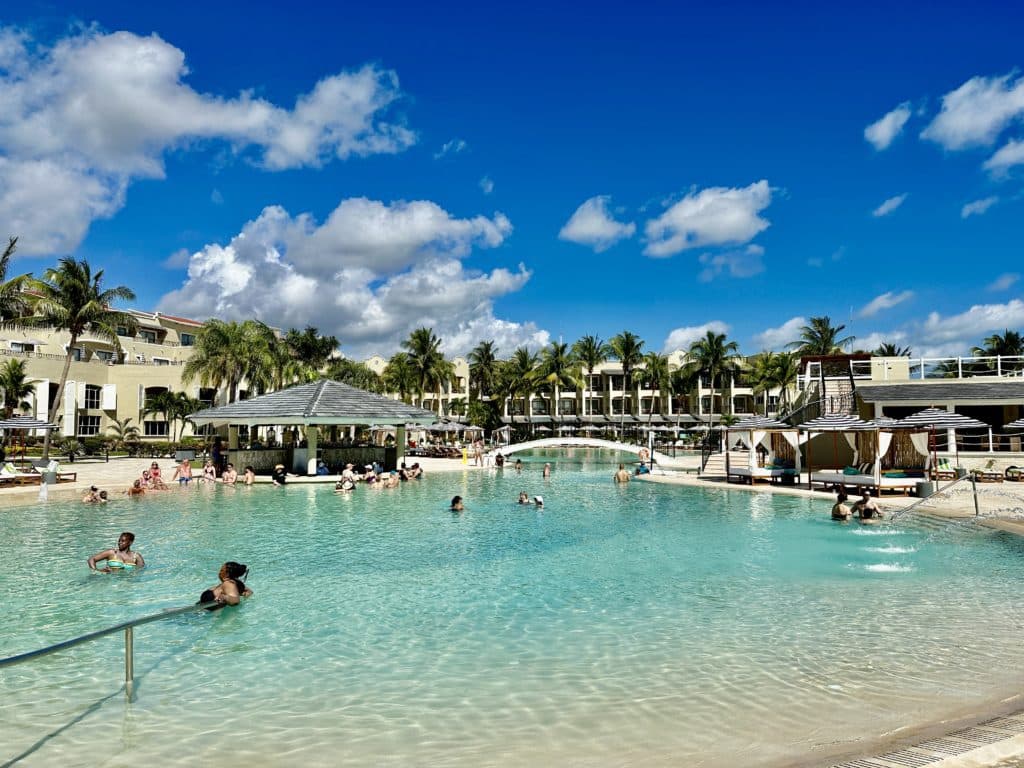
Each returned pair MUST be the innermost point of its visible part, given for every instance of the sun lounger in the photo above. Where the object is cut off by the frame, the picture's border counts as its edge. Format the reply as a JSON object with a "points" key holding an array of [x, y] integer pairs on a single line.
{"points": [[20, 478], [758, 474], [831, 478]]}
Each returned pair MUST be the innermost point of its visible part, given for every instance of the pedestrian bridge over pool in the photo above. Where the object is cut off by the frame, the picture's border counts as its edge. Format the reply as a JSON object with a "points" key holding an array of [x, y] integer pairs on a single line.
{"points": [[660, 459]]}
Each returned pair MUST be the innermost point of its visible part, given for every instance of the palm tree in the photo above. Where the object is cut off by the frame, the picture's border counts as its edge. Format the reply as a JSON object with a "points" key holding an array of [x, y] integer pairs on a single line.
{"points": [[16, 387], [713, 356], [658, 374], [309, 347], [591, 352], [787, 371], [517, 378], [628, 349], [226, 353], [123, 432], [355, 374], [557, 369], [13, 302], [820, 337], [428, 362], [71, 298], [483, 370], [1008, 344], [762, 374], [400, 377], [888, 349]]}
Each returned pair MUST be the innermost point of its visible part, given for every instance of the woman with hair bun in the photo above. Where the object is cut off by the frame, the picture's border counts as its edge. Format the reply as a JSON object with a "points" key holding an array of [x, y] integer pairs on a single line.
{"points": [[231, 589]]}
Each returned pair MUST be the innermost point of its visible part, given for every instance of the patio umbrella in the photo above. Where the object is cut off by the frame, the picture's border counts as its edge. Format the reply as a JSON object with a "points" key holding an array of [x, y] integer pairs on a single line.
{"points": [[542, 428], [834, 423], [936, 418], [566, 428], [1018, 424], [759, 422]]}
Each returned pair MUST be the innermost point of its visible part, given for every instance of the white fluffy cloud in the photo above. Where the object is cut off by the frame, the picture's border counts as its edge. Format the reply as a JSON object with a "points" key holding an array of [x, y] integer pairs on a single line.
{"points": [[889, 206], [882, 132], [82, 119], [716, 216], [592, 225], [978, 207], [369, 275], [887, 300], [1005, 158], [775, 339], [453, 147], [977, 112], [947, 335], [486, 185], [746, 262], [682, 338], [1004, 281]]}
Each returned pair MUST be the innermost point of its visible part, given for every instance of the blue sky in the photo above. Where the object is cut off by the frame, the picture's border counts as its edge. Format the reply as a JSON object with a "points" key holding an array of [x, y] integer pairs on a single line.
{"points": [[526, 173]]}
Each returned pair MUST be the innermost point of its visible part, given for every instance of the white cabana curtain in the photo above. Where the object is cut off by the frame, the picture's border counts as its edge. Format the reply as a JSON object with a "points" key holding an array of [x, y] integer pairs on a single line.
{"points": [[851, 440], [884, 441], [756, 436], [920, 442], [795, 439]]}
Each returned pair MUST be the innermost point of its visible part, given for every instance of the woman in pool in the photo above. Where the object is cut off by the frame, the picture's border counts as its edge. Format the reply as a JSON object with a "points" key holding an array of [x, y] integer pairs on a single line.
{"points": [[119, 558], [524, 498], [231, 589], [457, 505], [209, 472], [841, 512]]}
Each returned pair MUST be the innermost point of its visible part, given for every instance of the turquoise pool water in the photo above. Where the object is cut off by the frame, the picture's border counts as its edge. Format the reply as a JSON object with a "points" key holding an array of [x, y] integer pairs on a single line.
{"points": [[645, 625]]}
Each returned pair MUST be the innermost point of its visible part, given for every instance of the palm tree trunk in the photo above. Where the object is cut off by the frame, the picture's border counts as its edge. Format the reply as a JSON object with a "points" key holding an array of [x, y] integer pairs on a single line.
{"points": [[52, 417]]}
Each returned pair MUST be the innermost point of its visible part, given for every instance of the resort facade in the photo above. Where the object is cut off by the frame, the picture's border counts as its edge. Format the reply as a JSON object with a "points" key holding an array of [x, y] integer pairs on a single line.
{"points": [[106, 384]]}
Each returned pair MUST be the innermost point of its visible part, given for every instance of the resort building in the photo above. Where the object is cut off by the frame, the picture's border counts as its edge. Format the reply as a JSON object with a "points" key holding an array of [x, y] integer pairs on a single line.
{"points": [[107, 385]]}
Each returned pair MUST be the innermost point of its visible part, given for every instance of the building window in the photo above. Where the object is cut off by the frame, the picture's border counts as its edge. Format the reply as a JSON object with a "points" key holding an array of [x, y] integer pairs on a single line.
{"points": [[104, 355], [122, 330], [594, 382], [187, 339], [596, 406], [77, 354], [92, 397], [88, 426], [773, 403], [647, 405], [618, 383], [17, 346], [148, 336], [567, 407], [154, 428], [539, 407], [161, 361]]}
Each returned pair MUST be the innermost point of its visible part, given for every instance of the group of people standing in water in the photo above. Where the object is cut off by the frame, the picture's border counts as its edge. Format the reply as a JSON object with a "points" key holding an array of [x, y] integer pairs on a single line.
{"points": [[229, 591], [865, 509]]}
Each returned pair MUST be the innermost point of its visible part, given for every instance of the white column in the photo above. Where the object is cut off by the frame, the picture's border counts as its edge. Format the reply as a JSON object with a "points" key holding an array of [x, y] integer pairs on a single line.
{"points": [[312, 432]]}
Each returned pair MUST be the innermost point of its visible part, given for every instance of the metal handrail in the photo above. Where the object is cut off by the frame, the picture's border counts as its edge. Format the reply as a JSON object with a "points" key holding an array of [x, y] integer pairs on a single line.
{"points": [[129, 641]]}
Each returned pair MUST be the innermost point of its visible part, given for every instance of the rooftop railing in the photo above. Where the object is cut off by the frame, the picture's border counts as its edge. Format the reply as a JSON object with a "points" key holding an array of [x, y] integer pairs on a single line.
{"points": [[993, 366]]}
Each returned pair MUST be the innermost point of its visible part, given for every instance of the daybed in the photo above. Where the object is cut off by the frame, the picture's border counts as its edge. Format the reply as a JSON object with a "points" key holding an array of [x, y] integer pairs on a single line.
{"points": [[830, 478], [761, 474]]}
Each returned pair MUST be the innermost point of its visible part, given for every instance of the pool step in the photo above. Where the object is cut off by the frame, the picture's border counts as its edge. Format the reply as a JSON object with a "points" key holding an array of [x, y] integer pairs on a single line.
{"points": [[938, 751]]}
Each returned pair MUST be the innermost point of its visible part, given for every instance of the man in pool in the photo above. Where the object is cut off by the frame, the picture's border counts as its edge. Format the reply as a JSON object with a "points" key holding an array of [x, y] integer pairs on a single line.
{"points": [[120, 558], [622, 476], [866, 508]]}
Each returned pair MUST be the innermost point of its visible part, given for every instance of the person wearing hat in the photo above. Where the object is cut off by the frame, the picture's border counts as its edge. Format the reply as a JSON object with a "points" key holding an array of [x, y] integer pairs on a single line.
{"points": [[344, 485], [278, 476], [348, 473], [370, 476]]}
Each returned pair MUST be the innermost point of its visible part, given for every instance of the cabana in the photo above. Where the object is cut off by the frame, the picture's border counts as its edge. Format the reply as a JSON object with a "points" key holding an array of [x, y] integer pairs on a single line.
{"points": [[778, 439], [870, 441], [319, 404], [932, 419]]}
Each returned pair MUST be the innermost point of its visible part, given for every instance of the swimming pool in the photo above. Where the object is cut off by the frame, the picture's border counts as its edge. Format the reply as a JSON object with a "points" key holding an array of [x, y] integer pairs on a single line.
{"points": [[646, 624]]}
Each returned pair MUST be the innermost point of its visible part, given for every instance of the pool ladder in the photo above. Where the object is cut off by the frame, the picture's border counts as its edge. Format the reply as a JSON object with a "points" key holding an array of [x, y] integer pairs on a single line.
{"points": [[129, 642]]}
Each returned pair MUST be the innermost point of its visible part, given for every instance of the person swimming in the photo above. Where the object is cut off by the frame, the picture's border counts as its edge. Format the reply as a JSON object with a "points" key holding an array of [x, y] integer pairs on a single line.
{"points": [[457, 505], [524, 497], [119, 558], [841, 512], [231, 589]]}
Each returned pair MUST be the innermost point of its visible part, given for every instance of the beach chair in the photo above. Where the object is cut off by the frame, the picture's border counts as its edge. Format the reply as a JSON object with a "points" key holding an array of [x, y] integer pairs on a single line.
{"points": [[943, 470]]}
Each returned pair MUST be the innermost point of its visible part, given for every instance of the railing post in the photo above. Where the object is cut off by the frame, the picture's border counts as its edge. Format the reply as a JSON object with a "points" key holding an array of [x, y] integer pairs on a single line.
{"points": [[129, 660]]}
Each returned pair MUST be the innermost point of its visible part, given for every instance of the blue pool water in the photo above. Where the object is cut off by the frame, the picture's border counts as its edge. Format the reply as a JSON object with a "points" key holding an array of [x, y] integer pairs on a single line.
{"points": [[645, 625]]}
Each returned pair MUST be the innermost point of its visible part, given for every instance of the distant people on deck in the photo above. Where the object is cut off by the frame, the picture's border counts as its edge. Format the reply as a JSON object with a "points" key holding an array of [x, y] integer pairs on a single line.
{"points": [[643, 469], [119, 557], [183, 473], [321, 467], [279, 476]]}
